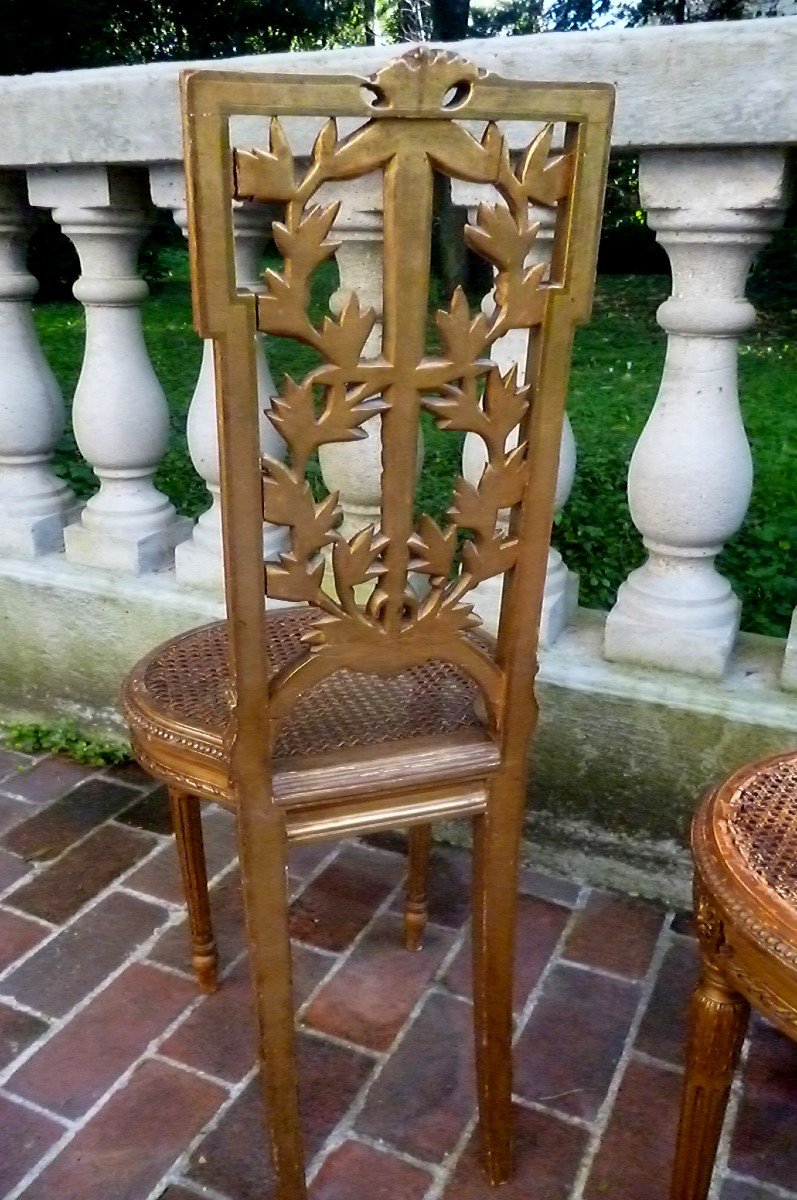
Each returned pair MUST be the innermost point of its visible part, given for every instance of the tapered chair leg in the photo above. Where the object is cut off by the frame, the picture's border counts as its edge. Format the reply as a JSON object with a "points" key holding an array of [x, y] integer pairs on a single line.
{"points": [[187, 821], [416, 910], [266, 903], [494, 905], [718, 1020]]}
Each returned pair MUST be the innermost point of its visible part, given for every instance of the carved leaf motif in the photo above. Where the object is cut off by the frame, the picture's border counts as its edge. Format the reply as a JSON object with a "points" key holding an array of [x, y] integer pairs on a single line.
{"points": [[304, 246], [324, 145], [495, 147], [469, 511], [502, 484], [266, 175], [488, 556], [288, 500], [344, 414], [505, 405], [292, 579], [498, 238], [463, 337], [458, 408], [433, 548], [356, 562], [342, 341], [443, 609], [521, 296], [544, 180], [420, 79], [293, 413]]}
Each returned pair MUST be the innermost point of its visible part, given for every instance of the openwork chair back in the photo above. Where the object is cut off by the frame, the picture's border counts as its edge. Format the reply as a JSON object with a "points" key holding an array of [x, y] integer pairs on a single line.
{"points": [[401, 592]]}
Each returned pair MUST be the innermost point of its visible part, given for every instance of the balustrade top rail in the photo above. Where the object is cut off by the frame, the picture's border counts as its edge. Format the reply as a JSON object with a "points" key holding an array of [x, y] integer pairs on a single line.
{"points": [[715, 84]]}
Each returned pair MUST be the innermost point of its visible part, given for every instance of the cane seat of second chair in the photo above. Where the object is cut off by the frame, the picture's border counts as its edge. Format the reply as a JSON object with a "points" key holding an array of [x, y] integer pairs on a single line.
{"points": [[744, 841]]}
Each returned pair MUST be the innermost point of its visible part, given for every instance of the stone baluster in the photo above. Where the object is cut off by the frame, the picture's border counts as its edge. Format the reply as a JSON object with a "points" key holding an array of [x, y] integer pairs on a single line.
{"points": [[691, 472], [34, 503], [199, 560], [560, 597], [354, 469], [789, 675], [120, 415]]}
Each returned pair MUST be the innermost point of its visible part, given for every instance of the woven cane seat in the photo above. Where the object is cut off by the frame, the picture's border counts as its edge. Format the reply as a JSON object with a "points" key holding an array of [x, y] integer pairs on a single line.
{"points": [[744, 841], [761, 816], [181, 693]]}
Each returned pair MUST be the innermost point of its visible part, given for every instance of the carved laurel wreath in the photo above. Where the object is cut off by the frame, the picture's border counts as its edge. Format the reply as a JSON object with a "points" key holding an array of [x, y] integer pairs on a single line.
{"points": [[332, 402]]}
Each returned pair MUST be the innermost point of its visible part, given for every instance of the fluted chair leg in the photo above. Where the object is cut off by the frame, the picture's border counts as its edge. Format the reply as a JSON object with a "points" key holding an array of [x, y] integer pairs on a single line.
{"points": [[187, 821], [494, 904], [416, 910], [718, 1020]]}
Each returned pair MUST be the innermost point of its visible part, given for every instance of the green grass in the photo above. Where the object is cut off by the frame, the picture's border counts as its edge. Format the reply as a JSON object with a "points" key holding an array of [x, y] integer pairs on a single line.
{"points": [[616, 371]]}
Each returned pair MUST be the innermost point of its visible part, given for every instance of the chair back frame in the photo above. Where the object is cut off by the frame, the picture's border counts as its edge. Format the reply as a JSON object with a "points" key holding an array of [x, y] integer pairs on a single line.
{"points": [[410, 114]]}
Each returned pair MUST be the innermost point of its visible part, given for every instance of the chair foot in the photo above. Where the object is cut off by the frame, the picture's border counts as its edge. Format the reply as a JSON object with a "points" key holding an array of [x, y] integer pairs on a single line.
{"points": [[206, 969], [416, 912], [187, 821], [719, 1018]]}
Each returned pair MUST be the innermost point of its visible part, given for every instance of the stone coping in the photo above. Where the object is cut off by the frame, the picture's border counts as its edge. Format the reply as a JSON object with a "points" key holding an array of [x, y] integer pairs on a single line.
{"points": [[713, 84]]}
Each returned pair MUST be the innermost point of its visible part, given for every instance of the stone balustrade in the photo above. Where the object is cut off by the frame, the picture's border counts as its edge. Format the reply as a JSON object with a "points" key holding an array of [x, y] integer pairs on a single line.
{"points": [[711, 110]]}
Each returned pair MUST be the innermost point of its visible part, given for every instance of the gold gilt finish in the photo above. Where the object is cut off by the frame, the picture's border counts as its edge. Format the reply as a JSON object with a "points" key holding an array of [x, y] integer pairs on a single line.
{"points": [[744, 840], [339, 717]]}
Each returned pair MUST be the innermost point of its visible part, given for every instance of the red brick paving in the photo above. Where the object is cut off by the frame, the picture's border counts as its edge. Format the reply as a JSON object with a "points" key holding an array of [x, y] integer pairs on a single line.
{"points": [[219, 1036], [13, 810], [635, 1157], [662, 1033], [340, 901], [81, 874], [233, 1158], [547, 1156], [74, 1068], [422, 1100], [76, 961], [159, 876], [764, 1144], [26, 1137], [18, 1030], [125, 1148], [17, 936], [173, 949], [370, 998], [634, 929], [539, 927], [12, 869], [568, 1052], [150, 1086], [51, 830], [46, 780], [358, 1172]]}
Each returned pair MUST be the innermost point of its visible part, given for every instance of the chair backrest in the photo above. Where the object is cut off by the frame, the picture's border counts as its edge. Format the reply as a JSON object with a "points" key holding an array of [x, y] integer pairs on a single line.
{"points": [[425, 113]]}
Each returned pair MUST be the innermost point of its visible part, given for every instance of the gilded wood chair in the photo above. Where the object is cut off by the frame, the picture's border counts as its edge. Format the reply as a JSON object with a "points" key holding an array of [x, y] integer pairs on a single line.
{"points": [[339, 715], [744, 841]]}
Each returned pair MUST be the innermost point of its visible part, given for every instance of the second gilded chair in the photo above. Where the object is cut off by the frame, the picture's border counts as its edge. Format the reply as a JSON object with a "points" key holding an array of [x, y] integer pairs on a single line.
{"points": [[377, 703]]}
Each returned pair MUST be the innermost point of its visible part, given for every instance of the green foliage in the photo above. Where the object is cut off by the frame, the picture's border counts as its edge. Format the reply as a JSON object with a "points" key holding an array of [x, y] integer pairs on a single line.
{"points": [[65, 738], [97, 33]]}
